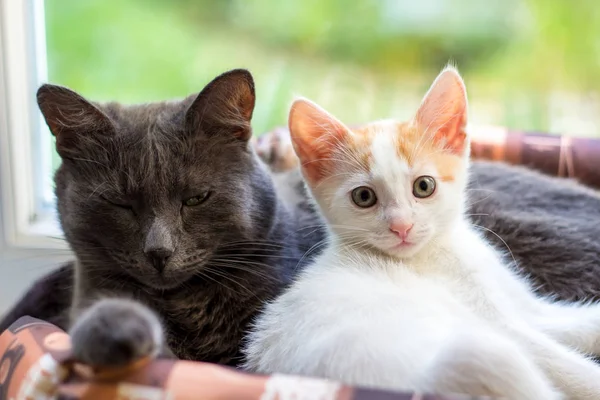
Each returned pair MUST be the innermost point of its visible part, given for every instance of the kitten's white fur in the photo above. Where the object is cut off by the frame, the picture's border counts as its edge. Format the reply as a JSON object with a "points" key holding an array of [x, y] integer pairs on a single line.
{"points": [[444, 315]]}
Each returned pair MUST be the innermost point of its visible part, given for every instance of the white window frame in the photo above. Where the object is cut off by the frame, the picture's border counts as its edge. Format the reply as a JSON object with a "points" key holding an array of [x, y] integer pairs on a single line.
{"points": [[28, 216]]}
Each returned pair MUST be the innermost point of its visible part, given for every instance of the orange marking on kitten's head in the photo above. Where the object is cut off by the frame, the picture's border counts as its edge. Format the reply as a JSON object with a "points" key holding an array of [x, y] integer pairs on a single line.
{"points": [[360, 146], [436, 134], [413, 147], [408, 143]]}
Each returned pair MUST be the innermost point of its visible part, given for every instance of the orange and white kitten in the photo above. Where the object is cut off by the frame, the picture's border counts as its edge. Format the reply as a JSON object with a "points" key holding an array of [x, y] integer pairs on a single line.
{"points": [[407, 294]]}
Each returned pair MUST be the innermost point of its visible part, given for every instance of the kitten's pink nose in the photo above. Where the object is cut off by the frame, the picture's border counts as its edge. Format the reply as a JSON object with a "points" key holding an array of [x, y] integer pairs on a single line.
{"points": [[401, 229]]}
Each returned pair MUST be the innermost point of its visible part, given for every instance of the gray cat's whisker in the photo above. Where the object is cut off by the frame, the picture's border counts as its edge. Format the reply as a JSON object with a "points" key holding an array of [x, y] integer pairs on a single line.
{"points": [[230, 279], [205, 275], [253, 243], [225, 261], [257, 254], [244, 269]]}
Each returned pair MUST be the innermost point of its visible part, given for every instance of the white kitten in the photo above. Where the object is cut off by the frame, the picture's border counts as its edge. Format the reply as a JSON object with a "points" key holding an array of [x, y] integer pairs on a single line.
{"points": [[408, 295]]}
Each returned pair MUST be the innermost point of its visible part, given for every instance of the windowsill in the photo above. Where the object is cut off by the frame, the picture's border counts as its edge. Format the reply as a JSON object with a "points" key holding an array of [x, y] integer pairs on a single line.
{"points": [[19, 268], [31, 253], [44, 233]]}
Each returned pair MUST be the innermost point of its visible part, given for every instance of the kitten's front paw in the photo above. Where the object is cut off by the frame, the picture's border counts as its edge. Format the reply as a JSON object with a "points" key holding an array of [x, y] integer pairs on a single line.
{"points": [[115, 332], [276, 150]]}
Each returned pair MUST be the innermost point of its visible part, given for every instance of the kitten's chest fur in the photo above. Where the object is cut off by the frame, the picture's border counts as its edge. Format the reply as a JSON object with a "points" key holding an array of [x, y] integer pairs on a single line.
{"points": [[373, 302], [473, 274]]}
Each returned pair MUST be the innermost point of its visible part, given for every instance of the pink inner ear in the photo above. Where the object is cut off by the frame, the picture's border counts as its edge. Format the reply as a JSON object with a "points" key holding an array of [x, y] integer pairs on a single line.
{"points": [[315, 135], [443, 112]]}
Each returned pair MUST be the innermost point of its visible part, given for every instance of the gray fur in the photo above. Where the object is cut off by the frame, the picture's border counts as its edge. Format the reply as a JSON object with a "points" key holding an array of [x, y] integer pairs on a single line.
{"points": [[550, 225], [113, 332], [122, 186]]}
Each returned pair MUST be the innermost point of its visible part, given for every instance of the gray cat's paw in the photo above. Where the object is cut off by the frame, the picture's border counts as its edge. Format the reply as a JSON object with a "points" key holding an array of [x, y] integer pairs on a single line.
{"points": [[115, 332]]}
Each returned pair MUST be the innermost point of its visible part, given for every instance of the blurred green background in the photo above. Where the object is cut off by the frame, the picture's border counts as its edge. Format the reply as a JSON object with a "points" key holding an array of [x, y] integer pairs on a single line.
{"points": [[528, 65]]}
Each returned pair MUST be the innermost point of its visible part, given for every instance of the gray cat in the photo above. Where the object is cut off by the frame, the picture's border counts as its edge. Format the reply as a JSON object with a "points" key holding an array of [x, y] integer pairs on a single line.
{"points": [[167, 206]]}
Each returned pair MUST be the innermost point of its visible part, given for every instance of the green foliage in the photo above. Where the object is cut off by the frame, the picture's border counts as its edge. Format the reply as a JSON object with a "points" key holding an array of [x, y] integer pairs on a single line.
{"points": [[361, 59]]}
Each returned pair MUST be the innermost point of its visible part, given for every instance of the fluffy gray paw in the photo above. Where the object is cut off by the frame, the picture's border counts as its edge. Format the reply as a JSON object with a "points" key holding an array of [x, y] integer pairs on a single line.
{"points": [[115, 332]]}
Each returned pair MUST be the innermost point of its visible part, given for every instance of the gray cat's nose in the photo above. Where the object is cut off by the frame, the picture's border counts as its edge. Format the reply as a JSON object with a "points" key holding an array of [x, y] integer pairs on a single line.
{"points": [[159, 257]]}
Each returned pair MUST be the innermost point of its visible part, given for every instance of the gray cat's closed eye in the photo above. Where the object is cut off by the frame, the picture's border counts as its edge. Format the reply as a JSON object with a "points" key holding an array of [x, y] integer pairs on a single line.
{"points": [[117, 203], [196, 200]]}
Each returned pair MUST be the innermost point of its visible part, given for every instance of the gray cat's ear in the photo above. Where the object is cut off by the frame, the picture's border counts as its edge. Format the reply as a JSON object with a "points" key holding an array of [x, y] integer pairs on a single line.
{"points": [[73, 120], [225, 106]]}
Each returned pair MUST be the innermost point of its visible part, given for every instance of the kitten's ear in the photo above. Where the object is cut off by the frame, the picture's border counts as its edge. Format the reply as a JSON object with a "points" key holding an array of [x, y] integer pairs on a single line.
{"points": [[225, 106], [315, 135], [73, 120], [443, 112]]}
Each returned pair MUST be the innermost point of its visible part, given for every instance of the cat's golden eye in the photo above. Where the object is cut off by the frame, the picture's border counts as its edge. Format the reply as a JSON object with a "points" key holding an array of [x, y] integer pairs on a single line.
{"points": [[196, 200], [364, 197], [423, 187]]}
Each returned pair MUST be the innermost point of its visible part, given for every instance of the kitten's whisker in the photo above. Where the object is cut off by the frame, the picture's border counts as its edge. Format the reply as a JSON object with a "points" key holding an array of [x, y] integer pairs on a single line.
{"points": [[324, 180], [313, 248], [480, 189], [309, 233], [349, 227], [324, 242], [471, 203], [502, 240], [335, 160]]}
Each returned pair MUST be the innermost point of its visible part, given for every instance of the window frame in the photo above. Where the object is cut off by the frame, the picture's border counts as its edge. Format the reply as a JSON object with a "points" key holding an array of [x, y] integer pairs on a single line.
{"points": [[28, 217]]}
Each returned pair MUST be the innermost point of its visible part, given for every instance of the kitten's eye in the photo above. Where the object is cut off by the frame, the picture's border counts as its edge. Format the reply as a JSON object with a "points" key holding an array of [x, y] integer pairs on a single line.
{"points": [[196, 200], [423, 187], [117, 203], [364, 197]]}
